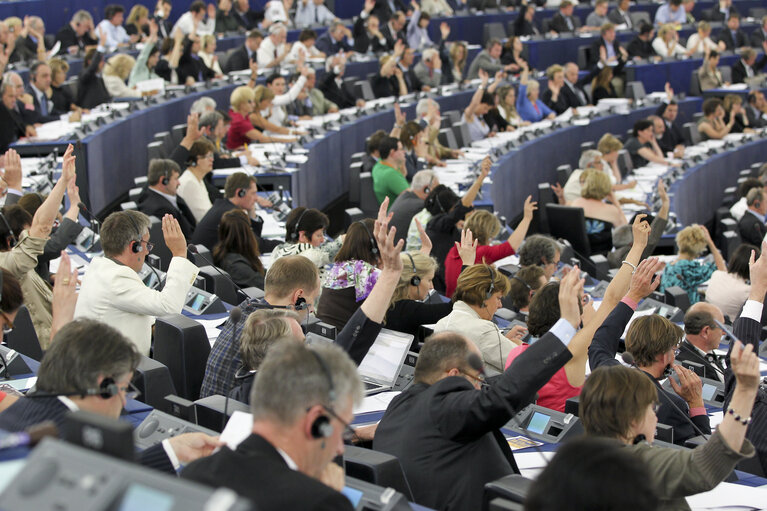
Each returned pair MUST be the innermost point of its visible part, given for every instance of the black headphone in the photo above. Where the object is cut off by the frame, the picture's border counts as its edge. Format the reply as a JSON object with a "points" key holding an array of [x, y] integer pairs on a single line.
{"points": [[436, 199], [295, 234], [492, 283], [514, 277], [321, 427], [300, 305], [373, 244], [415, 280], [136, 245], [166, 177], [241, 192], [427, 188], [107, 388], [10, 231]]}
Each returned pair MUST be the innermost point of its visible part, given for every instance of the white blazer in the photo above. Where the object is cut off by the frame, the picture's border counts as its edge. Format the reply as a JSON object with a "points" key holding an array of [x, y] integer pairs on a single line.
{"points": [[114, 293]]}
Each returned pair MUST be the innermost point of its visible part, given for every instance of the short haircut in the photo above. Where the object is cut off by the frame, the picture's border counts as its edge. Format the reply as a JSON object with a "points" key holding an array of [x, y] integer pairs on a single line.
{"points": [[538, 250], [609, 143], [357, 245], [422, 179], [374, 141], [202, 105], [747, 185], [81, 16], [17, 218], [640, 125], [589, 158], [596, 184], [613, 398], [483, 225], [120, 229], [423, 106], [565, 3], [408, 133], [710, 105], [277, 28], [289, 273], [754, 195], [255, 34], [704, 26], [527, 278], [544, 309], [307, 35], [200, 148], [440, 353], [691, 240], [58, 65], [738, 263], [440, 200], [197, 6], [650, 336], [74, 362], [210, 120], [386, 146], [311, 220], [240, 95], [644, 28], [35, 66], [272, 77], [474, 284], [492, 42], [554, 69], [112, 9], [13, 296], [695, 319], [237, 181], [429, 54], [294, 377], [160, 168], [606, 27], [600, 2], [263, 329]]}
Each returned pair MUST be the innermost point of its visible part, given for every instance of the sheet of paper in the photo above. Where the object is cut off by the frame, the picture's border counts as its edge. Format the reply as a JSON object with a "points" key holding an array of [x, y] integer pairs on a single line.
{"points": [[376, 403], [729, 495], [637, 314], [521, 442], [238, 428]]}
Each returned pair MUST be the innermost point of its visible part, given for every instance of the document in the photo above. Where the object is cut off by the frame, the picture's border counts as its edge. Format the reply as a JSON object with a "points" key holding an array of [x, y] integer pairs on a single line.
{"points": [[729, 496]]}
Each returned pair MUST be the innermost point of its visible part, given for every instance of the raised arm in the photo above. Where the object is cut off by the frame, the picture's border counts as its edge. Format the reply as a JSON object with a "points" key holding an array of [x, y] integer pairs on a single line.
{"points": [[477, 97], [471, 194], [42, 222], [718, 259], [518, 236]]}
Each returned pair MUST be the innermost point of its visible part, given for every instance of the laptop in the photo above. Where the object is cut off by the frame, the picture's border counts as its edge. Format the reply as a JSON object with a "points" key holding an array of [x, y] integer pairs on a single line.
{"points": [[383, 362]]}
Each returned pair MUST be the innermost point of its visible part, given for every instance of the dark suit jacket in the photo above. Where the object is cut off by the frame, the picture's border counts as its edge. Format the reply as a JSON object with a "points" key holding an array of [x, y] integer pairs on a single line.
{"points": [[739, 73], [523, 27], [330, 46], [249, 19], [641, 49], [594, 53], [91, 90], [67, 36], [258, 472], [673, 135], [63, 236], [752, 230], [559, 23], [12, 127], [602, 352], [391, 38], [341, 96], [755, 118], [363, 43], [153, 204], [438, 431], [206, 232], [757, 38], [30, 411], [238, 60], [570, 98], [688, 353], [717, 15], [617, 18], [739, 41], [53, 113], [192, 65], [384, 11]]}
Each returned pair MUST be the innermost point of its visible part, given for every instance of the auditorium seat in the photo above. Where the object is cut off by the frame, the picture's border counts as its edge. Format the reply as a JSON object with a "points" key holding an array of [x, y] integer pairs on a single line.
{"points": [[203, 257], [726, 73], [493, 30], [157, 238], [677, 297], [446, 137], [563, 173], [635, 90], [155, 149], [637, 17], [220, 285], [545, 196], [368, 202], [210, 411], [362, 89], [377, 468], [23, 337], [695, 84], [569, 223], [177, 134], [355, 169], [181, 344], [154, 382], [691, 132], [513, 487], [167, 140]]}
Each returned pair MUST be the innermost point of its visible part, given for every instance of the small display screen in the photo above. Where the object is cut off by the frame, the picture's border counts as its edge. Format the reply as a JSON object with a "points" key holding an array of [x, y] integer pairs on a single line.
{"points": [[196, 302], [708, 392], [151, 281], [141, 498], [354, 495], [538, 423]]}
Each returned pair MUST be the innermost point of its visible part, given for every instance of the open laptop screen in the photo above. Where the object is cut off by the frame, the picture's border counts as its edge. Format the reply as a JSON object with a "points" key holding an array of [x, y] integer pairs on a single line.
{"points": [[384, 360]]}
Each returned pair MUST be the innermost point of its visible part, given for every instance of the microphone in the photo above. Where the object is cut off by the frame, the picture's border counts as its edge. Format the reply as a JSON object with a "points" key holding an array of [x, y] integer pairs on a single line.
{"points": [[628, 358], [91, 218], [193, 249]]}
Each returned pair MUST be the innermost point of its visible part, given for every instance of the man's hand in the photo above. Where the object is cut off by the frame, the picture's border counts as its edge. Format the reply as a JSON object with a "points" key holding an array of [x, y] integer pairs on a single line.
{"points": [[399, 48], [529, 208], [487, 164], [333, 475], [642, 283], [444, 30], [570, 289], [174, 238], [12, 174], [467, 249], [388, 251], [425, 240], [369, 6], [193, 132], [64, 294], [691, 388], [191, 446], [745, 366], [757, 270], [67, 165]]}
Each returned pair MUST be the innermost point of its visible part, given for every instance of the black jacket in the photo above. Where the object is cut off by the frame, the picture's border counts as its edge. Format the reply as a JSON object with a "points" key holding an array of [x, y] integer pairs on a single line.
{"points": [[407, 315], [732, 44], [91, 91], [752, 230], [28, 412], [594, 53], [641, 49], [12, 127], [342, 96], [238, 60], [559, 23], [53, 113], [391, 38], [363, 43], [602, 352], [153, 204], [672, 136], [206, 232], [739, 73], [443, 233], [242, 272], [712, 365], [67, 37], [384, 11], [447, 435], [192, 65], [276, 487], [570, 97]]}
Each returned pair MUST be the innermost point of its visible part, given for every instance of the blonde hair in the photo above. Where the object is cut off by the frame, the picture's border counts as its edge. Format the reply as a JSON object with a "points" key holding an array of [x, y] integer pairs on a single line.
{"points": [[474, 284], [596, 184], [532, 85], [704, 26], [58, 65], [136, 13], [240, 95], [424, 265], [13, 23], [120, 65], [608, 143], [262, 93], [731, 99], [510, 109], [665, 29], [483, 225], [552, 70], [206, 40], [691, 240]]}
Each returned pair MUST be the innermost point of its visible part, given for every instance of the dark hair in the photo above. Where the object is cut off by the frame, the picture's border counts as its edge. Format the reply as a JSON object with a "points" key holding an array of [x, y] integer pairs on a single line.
{"points": [[160, 168], [710, 105], [544, 309], [113, 9], [644, 28], [237, 181], [235, 236], [166, 45], [311, 221], [440, 200], [738, 263], [387, 145], [676, 2], [751, 97], [357, 244], [374, 141], [16, 219], [409, 132], [74, 362], [713, 54], [487, 99], [593, 474], [747, 185], [306, 35], [13, 296], [200, 148], [441, 352], [90, 55], [697, 318], [641, 125], [527, 279], [31, 202], [538, 250], [197, 6], [272, 77]]}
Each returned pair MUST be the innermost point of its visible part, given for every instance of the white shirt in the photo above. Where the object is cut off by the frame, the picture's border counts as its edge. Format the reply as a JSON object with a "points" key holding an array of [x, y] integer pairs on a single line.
{"points": [[274, 11], [692, 42], [186, 24], [194, 193], [115, 34], [661, 49], [292, 464], [266, 51], [310, 14], [739, 208], [114, 293], [297, 48]]}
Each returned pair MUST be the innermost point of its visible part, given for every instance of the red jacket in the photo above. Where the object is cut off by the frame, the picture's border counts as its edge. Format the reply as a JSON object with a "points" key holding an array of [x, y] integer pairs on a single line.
{"points": [[485, 253]]}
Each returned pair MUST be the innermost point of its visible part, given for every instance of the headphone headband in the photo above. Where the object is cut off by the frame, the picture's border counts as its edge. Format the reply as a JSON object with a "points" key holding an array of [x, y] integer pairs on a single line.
{"points": [[415, 280], [373, 244], [514, 277], [295, 234], [10, 231], [491, 289]]}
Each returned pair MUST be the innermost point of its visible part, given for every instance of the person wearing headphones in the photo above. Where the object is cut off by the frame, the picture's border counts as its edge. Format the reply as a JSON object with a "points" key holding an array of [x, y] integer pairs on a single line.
{"points": [[305, 235], [191, 186], [161, 196], [297, 431], [112, 290], [75, 376], [237, 250], [412, 200]]}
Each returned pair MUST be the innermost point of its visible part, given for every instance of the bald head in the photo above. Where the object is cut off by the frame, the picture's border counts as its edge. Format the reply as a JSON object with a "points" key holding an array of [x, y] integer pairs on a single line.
{"points": [[700, 328], [444, 354]]}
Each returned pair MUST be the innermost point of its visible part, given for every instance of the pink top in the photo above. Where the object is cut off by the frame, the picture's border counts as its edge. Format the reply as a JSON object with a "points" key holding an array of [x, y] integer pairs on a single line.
{"points": [[237, 129], [557, 390], [485, 253]]}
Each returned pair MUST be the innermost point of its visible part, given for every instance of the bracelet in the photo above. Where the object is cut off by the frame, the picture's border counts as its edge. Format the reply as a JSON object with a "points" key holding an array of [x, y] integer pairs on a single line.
{"points": [[633, 267], [743, 420]]}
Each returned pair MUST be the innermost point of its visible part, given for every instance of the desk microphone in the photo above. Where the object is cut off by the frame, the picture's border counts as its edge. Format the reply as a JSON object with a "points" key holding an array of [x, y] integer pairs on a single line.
{"points": [[475, 362], [91, 217], [628, 358], [193, 249], [703, 359]]}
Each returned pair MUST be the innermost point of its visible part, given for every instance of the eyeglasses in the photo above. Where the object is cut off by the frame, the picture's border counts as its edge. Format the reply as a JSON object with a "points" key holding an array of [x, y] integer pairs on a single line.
{"points": [[149, 246], [130, 390], [349, 435], [8, 324], [477, 378], [655, 407]]}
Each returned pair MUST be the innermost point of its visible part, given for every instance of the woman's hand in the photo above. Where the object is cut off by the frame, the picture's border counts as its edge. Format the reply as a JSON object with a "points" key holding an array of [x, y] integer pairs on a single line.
{"points": [[425, 240], [467, 248]]}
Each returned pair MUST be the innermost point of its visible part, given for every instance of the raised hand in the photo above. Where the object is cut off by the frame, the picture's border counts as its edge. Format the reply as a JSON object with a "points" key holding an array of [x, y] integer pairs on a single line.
{"points": [[399, 117], [64, 294], [529, 208], [67, 165], [444, 30], [174, 238], [389, 252], [691, 388], [425, 240], [640, 230], [570, 290], [745, 366], [467, 249], [642, 282], [483, 76], [487, 164], [12, 174]]}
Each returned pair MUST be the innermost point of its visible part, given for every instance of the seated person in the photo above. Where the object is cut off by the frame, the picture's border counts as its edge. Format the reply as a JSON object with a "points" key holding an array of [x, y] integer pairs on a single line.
{"points": [[441, 199], [112, 290], [551, 96], [731, 35], [667, 43], [137, 24], [529, 106], [43, 109], [273, 49], [91, 89], [524, 24], [75, 366], [389, 174], [590, 159], [511, 56], [311, 101], [116, 72], [191, 67], [739, 208], [191, 186], [751, 225], [642, 45], [413, 139], [506, 104], [564, 22], [61, 97], [686, 271], [523, 285], [390, 81], [642, 145], [542, 251], [485, 226], [146, 62], [226, 19], [241, 130], [601, 217], [447, 390], [748, 66], [700, 41], [160, 197], [333, 86], [708, 74], [306, 48], [237, 250], [671, 12], [733, 107], [672, 140], [729, 290], [111, 27], [598, 16], [411, 201], [712, 125], [214, 126], [601, 85], [305, 235], [270, 115], [208, 53], [474, 115]]}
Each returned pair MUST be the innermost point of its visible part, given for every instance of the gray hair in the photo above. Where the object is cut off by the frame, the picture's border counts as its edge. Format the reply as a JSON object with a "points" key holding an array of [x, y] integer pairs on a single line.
{"points": [[429, 53], [81, 16], [203, 105], [277, 28], [5, 85], [538, 250], [263, 329], [422, 179], [210, 119], [120, 229], [589, 158], [160, 168], [10, 75], [36, 22], [294, 377], [423, 106]]}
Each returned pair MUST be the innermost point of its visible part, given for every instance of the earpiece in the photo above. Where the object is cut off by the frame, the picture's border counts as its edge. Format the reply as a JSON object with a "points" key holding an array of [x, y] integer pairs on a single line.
{"points": [[415, 280], [300, 304], [321, 427], [165, 179], [295, 234], [10, 231], [373, 244], [136, 245], [491, 289], [108, 388], [241, 192]]}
